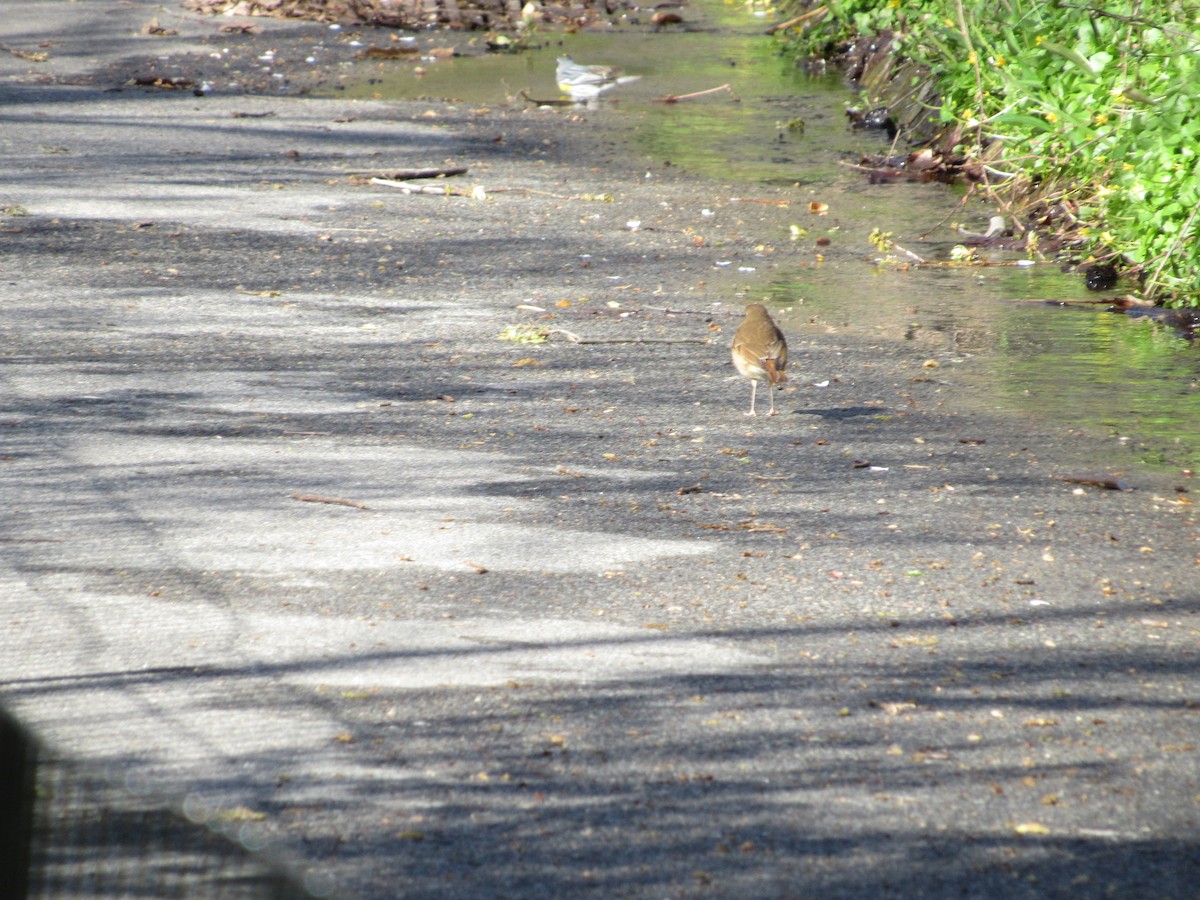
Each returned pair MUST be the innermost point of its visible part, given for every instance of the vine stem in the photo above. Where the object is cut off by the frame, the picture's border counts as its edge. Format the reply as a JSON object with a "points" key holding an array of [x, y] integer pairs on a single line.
{"points": [[973, 54], [1183, 233]]}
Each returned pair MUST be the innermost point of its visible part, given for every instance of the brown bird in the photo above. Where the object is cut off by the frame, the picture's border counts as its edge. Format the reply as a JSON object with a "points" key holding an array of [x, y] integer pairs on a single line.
{"points": [[760, 352]]}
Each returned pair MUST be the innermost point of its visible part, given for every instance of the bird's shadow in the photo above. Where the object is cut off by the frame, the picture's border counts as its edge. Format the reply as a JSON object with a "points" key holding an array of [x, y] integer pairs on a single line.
{"points": [[843, 412]]}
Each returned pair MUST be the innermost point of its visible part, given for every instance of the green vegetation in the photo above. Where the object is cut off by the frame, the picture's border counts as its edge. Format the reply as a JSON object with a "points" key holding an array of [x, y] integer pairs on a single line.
{"points": [[1088, 108]]}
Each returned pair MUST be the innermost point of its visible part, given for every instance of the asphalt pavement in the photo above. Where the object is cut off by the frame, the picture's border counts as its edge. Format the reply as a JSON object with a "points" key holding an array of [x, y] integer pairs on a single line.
{"points": [[296, 544]]}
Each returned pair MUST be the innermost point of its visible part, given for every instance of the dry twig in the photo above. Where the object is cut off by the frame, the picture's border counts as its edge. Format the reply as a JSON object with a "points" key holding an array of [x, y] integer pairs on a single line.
{"points": [[675, 98], [335, 501]]}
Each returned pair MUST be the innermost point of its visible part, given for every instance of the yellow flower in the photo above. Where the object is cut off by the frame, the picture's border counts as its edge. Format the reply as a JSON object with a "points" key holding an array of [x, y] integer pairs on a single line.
{"points": [[1038, 40], [1051, 117]]}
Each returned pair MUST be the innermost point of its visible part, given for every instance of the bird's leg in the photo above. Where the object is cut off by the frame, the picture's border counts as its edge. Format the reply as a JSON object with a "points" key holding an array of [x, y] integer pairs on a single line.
{"points": [[753, 391], [772, 389]]}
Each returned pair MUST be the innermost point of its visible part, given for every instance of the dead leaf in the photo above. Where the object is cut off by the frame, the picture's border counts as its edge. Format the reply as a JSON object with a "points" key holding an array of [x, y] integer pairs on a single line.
{"points": [[1031, 828], [153, 28]]}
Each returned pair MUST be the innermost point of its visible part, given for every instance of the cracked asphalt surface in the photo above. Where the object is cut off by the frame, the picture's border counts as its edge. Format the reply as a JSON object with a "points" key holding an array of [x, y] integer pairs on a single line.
{"points": [[291, 539]]}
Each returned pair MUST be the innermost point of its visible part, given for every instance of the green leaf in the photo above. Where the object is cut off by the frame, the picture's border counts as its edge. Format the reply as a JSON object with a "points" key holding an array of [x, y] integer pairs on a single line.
{"points": [[1069, 54]]}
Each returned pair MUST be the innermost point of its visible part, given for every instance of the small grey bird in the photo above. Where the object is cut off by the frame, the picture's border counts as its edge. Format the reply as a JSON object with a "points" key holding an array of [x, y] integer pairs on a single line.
{"points": [[581, 82], [760, 352]]}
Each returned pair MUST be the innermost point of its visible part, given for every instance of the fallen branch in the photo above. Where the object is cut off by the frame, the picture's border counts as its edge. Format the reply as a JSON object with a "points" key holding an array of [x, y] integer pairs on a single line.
{"points": [[576, 339], [758, 200], [1083, 301], [30, 55], [413, 188], [437, 190], [675, 98], [405, 174], [335, 501], [818, 13], [671, 311]]}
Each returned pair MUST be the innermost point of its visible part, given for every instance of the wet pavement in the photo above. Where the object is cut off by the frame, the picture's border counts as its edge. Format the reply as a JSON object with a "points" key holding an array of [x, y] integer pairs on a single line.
{"points": [[295, 542]]}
